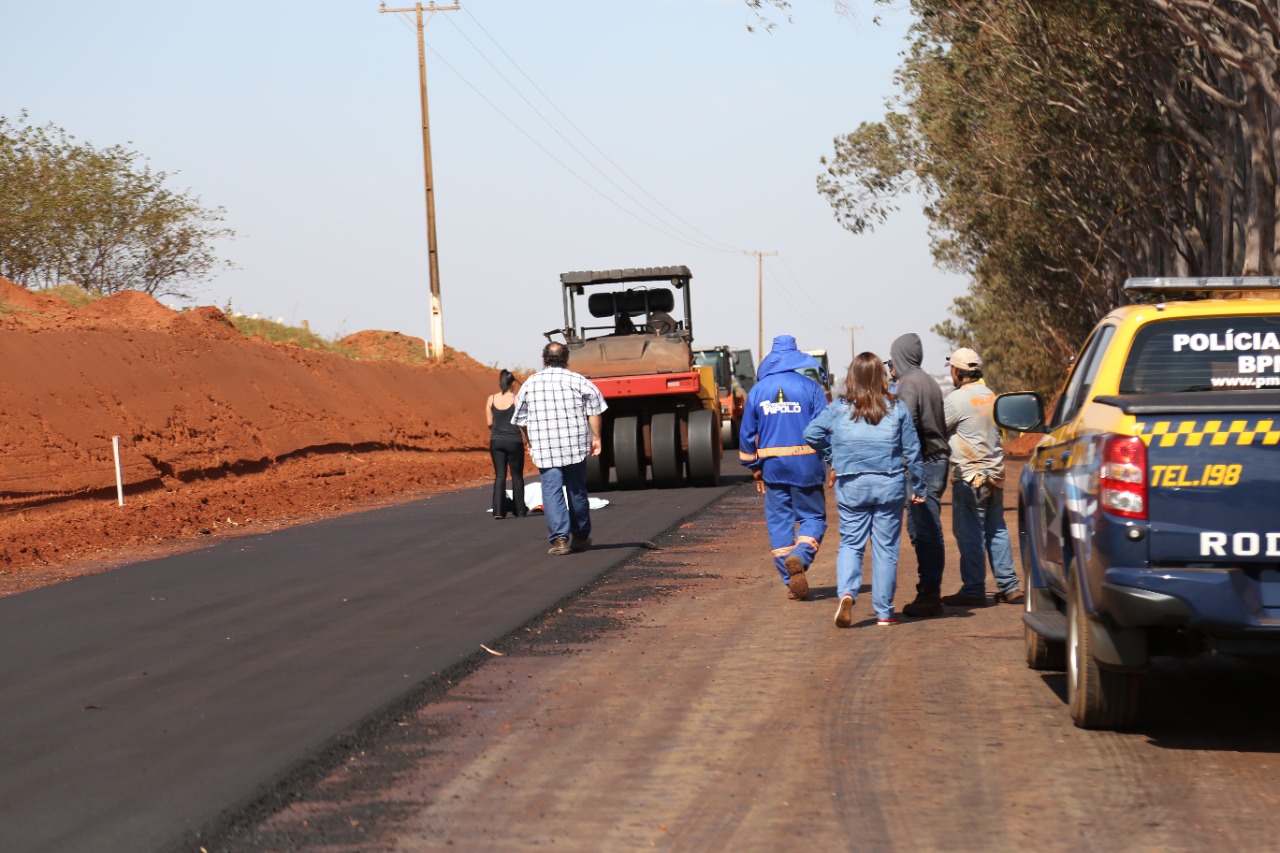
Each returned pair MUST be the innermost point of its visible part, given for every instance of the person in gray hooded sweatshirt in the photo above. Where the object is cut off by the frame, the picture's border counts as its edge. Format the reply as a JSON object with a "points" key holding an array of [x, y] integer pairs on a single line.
{"points": [[923, 398]]}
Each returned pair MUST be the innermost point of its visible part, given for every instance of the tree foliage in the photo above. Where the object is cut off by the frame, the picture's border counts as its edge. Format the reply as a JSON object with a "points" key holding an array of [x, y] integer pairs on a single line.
{"points": [[98, 218], [1064, 145]]}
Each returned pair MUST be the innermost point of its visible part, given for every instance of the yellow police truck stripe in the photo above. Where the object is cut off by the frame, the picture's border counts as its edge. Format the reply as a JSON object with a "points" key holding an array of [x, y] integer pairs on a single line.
{"points": [[1214, 433]]}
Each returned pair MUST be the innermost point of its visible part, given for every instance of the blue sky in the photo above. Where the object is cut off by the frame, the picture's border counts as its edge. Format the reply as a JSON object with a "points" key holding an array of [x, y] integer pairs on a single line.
{"points": [[566, 135]]}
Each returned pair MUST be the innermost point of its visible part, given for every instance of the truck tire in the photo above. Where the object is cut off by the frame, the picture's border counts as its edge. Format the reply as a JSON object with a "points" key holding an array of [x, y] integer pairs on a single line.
{"points": [[729, 434], [704, 448], [1098, 698], [664, 441], [628, 452], [1042, 654]]}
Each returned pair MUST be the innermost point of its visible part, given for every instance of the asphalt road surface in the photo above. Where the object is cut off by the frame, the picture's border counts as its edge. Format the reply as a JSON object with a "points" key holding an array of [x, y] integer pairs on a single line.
{"points": [[141, 706]]}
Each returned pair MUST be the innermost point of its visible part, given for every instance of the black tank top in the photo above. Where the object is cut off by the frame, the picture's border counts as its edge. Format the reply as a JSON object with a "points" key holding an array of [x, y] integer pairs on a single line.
{"points": [[503, 429]]}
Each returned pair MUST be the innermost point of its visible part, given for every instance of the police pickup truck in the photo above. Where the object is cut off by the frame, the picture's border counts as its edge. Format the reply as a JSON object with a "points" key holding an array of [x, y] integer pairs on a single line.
{"points": [[1149, 515]]}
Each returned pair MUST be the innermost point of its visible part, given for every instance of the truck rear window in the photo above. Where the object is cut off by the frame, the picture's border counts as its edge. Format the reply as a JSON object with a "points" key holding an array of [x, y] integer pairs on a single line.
{"points": [[1204, 354]]}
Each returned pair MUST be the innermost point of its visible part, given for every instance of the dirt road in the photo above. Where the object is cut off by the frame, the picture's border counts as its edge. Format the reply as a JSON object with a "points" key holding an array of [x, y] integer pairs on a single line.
{"points": [[682, 703]]}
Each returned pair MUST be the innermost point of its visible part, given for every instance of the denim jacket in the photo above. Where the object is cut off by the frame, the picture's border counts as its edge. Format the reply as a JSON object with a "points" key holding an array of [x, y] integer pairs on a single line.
{"points": [[874, 455]]}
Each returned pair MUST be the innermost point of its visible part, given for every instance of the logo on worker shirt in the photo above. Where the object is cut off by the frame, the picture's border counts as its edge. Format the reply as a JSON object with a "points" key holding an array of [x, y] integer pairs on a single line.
{"points": [[786, 407]]}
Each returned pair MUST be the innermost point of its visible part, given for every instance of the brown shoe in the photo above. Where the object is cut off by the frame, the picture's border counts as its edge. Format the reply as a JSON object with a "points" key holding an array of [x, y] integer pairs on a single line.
{"points": [[962, 600], [1013, 596], [579, 542], [928, 603], [559, 547], [799, 584]]}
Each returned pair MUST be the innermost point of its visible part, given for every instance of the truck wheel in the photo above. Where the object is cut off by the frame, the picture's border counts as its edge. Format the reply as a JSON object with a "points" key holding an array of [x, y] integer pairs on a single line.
{"points": [[1042, 654], [628, 452], [704, 448], [1098, 698], [664, 439], [728, 434]]}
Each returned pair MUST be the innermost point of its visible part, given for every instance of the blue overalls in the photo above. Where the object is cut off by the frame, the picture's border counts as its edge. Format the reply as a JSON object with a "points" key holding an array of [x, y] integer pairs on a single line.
{"points": [[778, 408]]}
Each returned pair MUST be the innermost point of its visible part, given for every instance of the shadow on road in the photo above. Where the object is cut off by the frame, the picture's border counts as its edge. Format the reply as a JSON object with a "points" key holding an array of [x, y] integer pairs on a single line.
{"points": [[1219, 704]]}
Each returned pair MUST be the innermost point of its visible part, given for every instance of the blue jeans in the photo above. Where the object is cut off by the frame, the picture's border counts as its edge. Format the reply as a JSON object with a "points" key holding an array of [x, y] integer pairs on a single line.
{"points": [[575, 516], [977, 519], [786, 506], [882, 523], [924, 525]]}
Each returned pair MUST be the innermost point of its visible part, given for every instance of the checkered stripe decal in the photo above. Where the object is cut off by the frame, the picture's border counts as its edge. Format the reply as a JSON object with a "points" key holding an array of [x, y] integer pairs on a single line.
{"points": [[1209, 433]]}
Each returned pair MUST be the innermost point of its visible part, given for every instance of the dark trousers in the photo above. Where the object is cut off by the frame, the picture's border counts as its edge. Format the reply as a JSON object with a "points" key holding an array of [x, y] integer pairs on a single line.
{"points": [[508, 455]]}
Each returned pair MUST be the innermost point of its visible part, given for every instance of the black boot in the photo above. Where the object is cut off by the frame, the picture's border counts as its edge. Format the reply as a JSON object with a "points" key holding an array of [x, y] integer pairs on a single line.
{"points": [[928, 603]]}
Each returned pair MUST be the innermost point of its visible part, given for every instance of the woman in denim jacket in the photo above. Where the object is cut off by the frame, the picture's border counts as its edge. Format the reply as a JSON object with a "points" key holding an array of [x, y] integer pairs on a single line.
{"points": [[866, 437]]}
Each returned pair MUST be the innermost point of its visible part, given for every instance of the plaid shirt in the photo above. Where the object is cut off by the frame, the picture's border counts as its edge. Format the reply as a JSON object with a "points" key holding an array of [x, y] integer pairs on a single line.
{"points": [[553, 406]]}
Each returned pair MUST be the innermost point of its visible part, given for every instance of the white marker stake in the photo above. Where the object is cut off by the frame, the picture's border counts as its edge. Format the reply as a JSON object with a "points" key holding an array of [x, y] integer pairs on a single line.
{"points": [[115, 446]]}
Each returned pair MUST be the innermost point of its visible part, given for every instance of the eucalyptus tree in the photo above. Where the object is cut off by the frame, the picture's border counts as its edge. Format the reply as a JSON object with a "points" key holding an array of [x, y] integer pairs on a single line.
{"points": [[1062, 145]]}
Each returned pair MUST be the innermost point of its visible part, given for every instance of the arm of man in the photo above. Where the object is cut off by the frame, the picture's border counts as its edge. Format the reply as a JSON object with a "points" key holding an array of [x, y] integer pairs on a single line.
{"points": [[594, 421]]}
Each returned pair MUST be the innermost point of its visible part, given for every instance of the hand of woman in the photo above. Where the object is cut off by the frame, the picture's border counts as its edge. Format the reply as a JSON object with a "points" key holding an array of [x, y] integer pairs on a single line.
{"points": [[917, 499]]}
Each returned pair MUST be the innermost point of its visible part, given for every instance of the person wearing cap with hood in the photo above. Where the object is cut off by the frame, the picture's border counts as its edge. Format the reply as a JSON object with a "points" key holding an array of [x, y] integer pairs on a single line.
{"points": [[922, 396], [787, 471], [977, 498]]}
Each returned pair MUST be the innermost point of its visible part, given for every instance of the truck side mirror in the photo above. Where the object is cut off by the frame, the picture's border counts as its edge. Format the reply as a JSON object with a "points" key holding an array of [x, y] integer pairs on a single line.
{"points": [[1021, 411]]}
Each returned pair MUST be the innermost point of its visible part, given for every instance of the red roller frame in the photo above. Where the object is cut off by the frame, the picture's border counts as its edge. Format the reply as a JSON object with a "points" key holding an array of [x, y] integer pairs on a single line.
{"points": [[649, 385]]}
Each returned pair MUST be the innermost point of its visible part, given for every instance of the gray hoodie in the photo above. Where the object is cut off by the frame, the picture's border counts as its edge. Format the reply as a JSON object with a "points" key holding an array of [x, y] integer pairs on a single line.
{"points": [[922, 396]]}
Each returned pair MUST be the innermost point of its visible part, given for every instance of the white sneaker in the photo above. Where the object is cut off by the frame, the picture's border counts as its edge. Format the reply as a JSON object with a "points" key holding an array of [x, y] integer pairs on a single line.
{"points": [[844, 613]]}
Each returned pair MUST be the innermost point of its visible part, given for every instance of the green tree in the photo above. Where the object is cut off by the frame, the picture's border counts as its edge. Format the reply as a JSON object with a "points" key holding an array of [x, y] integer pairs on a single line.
{"points": [[98, 218], [1064, 145]]}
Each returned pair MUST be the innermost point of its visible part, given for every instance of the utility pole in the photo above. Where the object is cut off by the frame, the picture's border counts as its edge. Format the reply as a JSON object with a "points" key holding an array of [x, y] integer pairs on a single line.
{"points": [[760, 256], [435, 349], [853, 341]]}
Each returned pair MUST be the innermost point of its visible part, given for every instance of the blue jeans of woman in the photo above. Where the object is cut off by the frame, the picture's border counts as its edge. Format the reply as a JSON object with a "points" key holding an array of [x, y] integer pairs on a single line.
{"points": [[573, 515], [977, 519], [882, 524]]}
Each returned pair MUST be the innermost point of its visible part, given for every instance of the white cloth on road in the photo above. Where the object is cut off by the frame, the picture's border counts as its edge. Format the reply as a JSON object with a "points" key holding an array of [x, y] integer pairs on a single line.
{"points": [[533, 498]]}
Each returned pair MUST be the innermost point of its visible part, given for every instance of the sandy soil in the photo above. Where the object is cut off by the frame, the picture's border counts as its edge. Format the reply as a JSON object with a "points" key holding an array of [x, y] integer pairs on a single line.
{"points": [[219, 434]]}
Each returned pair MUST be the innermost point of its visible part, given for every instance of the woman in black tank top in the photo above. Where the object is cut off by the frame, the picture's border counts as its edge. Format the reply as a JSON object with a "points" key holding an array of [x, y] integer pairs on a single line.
{"points": [[506, 446]]}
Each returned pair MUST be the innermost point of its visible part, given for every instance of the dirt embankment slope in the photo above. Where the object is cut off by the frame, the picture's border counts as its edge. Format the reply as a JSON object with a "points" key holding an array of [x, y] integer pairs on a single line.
{"points": [[218, 432]]}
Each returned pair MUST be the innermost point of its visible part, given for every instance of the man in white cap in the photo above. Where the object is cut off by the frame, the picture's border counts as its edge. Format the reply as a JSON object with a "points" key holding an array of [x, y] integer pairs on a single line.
{"points": [[977, 499]]}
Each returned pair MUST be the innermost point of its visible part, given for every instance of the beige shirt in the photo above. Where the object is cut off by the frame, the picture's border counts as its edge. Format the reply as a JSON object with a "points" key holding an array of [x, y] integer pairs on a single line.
{"points": [[976, 452]]}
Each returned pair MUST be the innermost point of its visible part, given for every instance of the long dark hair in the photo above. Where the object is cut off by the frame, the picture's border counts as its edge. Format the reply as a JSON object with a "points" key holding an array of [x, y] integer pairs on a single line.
{"points": [[505, 378], [866, 388]]}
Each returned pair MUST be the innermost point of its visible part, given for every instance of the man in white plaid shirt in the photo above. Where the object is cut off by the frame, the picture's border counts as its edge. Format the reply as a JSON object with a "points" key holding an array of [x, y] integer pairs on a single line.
{"points": [[559, 412]]}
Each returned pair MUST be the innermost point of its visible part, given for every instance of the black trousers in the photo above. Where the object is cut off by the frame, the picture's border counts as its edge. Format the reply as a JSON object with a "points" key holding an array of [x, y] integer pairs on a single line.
{"points": [[508, 455]]}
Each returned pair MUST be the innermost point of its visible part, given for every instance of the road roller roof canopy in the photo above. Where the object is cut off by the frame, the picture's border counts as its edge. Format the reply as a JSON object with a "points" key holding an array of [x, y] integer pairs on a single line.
{"points": [[630, 305], [678, 276]]}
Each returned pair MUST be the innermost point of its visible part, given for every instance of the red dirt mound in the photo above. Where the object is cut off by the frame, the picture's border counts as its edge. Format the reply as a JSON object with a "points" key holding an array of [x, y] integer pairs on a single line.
{"points": [[217, 431]]}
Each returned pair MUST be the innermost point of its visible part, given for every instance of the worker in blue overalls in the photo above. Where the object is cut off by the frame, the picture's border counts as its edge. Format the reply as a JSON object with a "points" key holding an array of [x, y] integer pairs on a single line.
{"points": [[786, 469]]}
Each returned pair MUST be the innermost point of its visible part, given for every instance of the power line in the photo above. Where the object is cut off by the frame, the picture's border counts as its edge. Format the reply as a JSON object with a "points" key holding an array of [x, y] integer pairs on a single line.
{"points": [[561, 163], [590, 141], [570, 143]]}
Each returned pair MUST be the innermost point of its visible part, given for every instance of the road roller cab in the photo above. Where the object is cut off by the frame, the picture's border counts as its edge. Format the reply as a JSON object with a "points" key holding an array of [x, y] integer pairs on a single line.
{"points": [[663, 424]]}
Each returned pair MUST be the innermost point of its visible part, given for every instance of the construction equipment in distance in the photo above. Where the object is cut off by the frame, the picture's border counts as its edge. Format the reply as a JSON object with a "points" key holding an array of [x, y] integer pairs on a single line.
{"points": [[663, 423], [823, 375], [730, 390]]}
